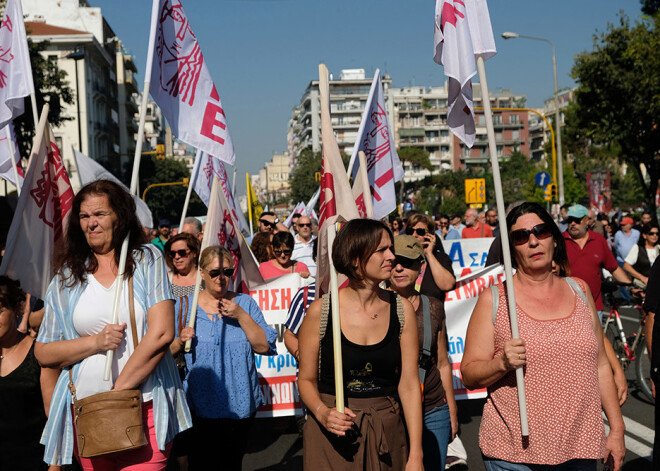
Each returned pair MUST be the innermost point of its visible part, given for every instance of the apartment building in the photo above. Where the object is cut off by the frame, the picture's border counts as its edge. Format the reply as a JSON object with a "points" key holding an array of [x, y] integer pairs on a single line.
{"points": [[272, 183], [348, 97]]}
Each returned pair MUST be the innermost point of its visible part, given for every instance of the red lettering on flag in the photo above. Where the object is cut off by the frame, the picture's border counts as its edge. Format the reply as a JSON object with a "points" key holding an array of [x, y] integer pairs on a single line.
{"points": [[450, 13], [212, 120]]}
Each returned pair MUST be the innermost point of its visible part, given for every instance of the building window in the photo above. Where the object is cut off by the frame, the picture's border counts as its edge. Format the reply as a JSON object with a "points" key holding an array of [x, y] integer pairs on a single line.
{"points": [[514, 119], [497, 119], [516, 134], [500, 150]]}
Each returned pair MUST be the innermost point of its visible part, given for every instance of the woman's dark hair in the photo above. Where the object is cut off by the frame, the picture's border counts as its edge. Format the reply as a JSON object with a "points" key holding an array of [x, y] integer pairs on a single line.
{"points": [[416, 218], [261, 246], [646, 228], [77, 254], [559, 256], [192, 243], [11, 295], [356, 241], [283, 238]]}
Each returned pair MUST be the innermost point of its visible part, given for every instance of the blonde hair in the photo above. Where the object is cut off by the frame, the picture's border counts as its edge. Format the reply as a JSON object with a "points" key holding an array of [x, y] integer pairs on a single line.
{"points": [[210, 253]]}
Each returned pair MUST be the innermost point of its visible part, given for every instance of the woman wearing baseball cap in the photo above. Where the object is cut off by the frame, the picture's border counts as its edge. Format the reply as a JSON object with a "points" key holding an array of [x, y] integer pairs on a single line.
{"points": [[438, 403]]}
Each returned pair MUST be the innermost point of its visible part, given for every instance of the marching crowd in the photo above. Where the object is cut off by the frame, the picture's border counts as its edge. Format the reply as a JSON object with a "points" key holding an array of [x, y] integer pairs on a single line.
{"points": [[199, 387]]}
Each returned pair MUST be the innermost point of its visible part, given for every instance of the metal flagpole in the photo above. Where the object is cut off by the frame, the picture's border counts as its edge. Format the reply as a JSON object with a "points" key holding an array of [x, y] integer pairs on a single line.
{"points": [[506, 252], [205, 243], [233, 184], [366, 190], [134, 179]]}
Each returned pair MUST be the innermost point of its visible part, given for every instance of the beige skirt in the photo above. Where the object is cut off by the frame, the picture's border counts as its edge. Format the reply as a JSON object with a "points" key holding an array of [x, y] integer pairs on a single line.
{"points": [[378, 442]]}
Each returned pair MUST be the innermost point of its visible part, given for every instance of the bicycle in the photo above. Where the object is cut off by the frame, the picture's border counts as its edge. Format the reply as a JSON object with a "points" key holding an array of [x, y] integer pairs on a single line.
{"points": [[632, 348]]}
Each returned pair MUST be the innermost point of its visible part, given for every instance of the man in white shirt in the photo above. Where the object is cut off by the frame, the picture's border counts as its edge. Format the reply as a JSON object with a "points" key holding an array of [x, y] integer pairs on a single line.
{"points": [[303, 248]]}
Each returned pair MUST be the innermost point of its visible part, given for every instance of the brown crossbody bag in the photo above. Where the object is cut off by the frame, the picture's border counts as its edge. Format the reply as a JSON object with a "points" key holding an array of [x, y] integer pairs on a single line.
{"points": [[111, 421]]}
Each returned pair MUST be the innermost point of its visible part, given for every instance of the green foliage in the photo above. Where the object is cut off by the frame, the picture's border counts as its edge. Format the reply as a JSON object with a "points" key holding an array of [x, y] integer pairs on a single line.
{"points": [[167, 201], [650, 7], [303, 183], [50, 87], [618, 99], [416, 156]]}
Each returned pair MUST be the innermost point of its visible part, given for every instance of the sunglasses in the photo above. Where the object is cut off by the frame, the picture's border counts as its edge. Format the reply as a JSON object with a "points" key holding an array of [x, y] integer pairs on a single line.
{"points": [[574, 219], [655, 233], [420, 232], [181, 253], [228, 272], [521, 236], [279, 252], [267, 223], [304, 224], [406, 262]]}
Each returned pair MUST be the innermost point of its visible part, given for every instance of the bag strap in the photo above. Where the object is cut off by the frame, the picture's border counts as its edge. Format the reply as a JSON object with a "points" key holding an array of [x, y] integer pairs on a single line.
{"points": [[496, 301], [323, 322], [426, 346], [131, 309], [183, 313], [577, 288], [400, 314]]}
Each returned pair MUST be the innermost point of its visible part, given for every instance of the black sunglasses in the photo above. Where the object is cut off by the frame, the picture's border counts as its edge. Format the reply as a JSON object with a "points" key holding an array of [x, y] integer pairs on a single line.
{"points": [[181, 253], [304, 224], [653, 233], [574, 219], [267, 223], [279, 252], [406, 262], [521, 236], [421, 231], [228, 272]]}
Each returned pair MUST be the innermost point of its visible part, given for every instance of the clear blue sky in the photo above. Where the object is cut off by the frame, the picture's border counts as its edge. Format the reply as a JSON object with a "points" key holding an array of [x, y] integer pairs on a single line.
{"points": [[263, 53]]}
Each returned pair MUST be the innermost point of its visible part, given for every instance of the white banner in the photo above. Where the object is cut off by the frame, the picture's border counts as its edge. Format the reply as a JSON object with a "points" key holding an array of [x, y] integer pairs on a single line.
{"points": [[15, 70], [182, 85], [90, 170], [202, 174], [376, 140], [278, 374], [6, 168]]}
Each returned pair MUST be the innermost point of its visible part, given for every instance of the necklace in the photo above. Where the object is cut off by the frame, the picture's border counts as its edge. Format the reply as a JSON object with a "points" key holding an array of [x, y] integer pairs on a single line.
{"points": [[2, 357], [374, 315]]}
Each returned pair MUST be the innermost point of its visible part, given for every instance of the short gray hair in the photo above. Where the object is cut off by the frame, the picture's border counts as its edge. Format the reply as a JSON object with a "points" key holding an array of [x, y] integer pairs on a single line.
{"points": [[196, 223]]}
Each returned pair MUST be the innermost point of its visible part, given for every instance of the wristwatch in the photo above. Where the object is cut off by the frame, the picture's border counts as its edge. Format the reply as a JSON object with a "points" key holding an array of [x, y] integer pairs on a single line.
{"points": [[277, 220]]}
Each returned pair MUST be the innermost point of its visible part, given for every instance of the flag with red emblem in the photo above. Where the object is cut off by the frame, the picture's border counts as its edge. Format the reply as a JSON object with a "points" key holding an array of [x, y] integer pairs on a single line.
{"points": [[182, 86], [462, 30], [37, 229]]}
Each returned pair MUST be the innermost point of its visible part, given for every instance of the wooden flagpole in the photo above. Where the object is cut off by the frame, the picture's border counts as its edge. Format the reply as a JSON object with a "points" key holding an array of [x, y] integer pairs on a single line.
{"points": [[366, 190], [249, 201], [506, 251], [193, 176], [12, 155], [134, 179], [215, 187], [336, 324]]}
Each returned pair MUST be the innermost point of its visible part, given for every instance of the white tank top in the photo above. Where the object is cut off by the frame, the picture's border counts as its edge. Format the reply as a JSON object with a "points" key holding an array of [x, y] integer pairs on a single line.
{"points": [[92, 313]]}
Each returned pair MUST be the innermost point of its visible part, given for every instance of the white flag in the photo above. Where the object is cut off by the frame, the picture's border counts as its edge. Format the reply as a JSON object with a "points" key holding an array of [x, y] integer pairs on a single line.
{"points": [[337, 203], [6, 168], [90, 170], [182, 86], [461, 32], [223, 230], [311, 204], [15, 70], [40, 218], [202, 174], [299, 209], [384, 168]]}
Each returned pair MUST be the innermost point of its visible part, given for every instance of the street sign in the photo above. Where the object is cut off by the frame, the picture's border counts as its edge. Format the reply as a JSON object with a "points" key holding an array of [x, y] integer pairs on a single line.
{"points": [[475, 190], [542, 179]]}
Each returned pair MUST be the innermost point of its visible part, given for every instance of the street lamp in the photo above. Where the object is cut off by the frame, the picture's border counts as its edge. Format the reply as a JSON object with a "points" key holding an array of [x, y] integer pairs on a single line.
{"points": [[560, 161], [76, 56]]}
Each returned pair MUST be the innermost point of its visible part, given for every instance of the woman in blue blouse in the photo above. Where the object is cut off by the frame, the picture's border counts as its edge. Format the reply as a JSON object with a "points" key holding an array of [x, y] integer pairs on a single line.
{"points": [[221, 381]]}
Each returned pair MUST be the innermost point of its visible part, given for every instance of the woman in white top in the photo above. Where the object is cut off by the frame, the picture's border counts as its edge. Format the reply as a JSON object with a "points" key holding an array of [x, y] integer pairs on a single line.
{"points": [[640, 259], [77, 330]]}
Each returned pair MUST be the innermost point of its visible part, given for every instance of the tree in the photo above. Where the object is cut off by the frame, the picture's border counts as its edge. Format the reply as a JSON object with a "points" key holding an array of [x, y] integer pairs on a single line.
{"points": [[303, 181], [650, 7], [618, 97], [167, 201], [50, 87]]}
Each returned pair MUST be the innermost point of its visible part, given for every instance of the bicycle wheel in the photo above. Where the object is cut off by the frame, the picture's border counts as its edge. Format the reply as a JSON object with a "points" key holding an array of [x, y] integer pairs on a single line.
{"points": [[613, 336], [643, 370]]}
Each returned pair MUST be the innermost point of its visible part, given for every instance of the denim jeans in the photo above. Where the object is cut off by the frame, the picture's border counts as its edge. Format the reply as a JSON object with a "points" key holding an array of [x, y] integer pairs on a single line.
{"points": [[572, 465], [435, 437]]}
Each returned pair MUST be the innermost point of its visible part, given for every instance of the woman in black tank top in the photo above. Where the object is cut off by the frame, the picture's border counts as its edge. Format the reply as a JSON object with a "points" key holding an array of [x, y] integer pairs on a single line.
{"points": [[379, 349]]}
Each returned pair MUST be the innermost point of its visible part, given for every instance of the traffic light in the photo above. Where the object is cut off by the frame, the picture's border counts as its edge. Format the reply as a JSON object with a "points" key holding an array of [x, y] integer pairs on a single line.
{"points": [[317, 176], [160, 151], [553, 191], [185, 181], [547, 193]]}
